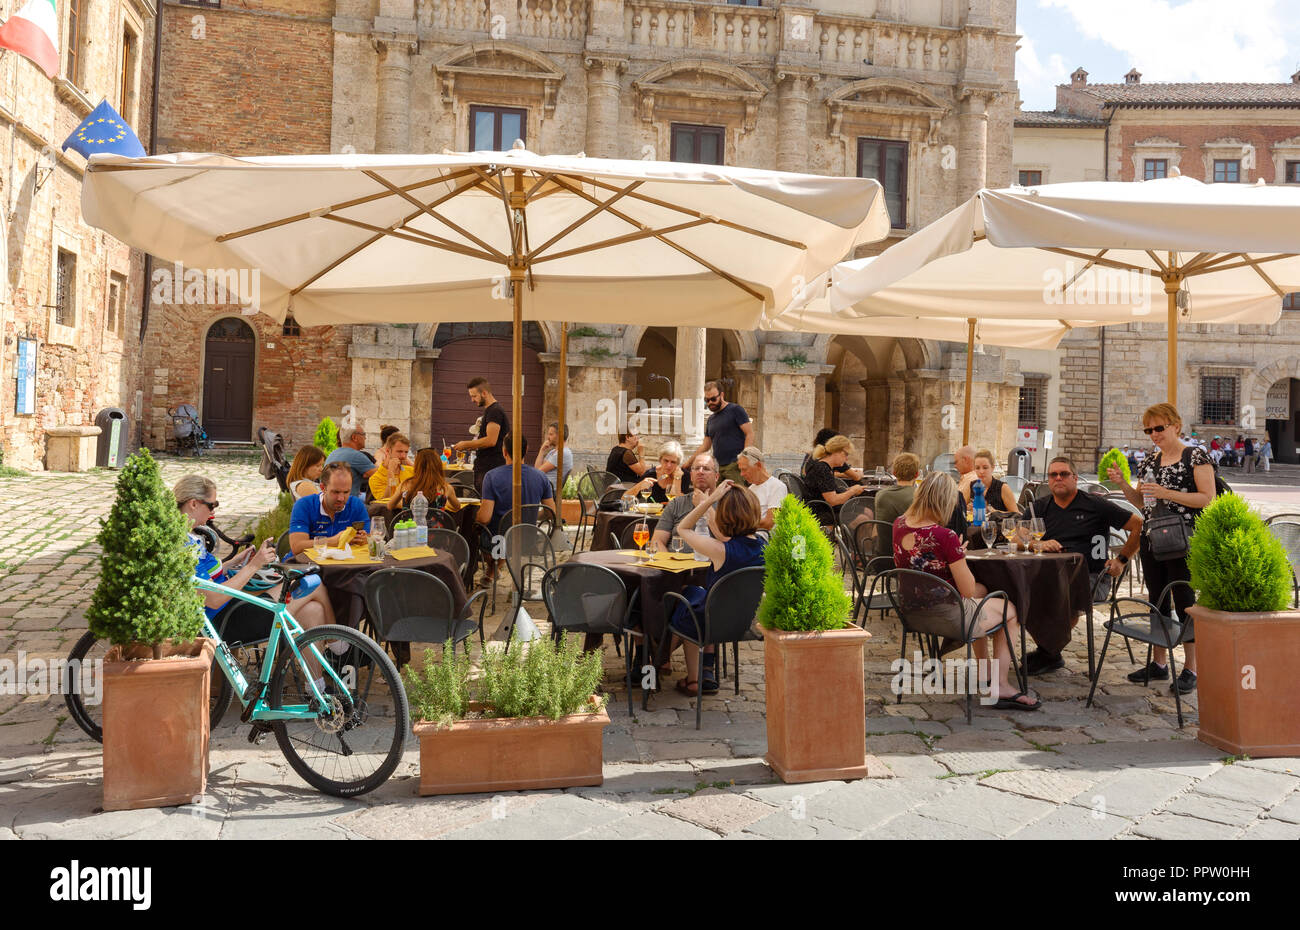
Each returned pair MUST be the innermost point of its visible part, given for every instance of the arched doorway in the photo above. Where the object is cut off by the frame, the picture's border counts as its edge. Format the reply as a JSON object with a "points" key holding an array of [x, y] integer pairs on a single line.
{"points": [[228, 355], [1282, 418], [471, 350]]}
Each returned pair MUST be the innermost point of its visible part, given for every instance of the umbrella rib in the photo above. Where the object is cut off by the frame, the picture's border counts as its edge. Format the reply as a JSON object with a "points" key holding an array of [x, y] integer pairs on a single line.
{"points": [[1267, 280], [1213, 264], [428, 210], [1196, 260], [1097, 259], [299, 217], [1083, 270], [619, 240], [1164, 269], [668, 242], [424, 238], [532, 255], [699, 215], [1247, 262]]}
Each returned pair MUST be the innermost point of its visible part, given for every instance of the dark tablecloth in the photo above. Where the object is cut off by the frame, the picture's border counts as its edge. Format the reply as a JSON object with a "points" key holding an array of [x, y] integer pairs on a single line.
{"points": [[346, 584], [613, 522], [1049, 590], [653, 584]]}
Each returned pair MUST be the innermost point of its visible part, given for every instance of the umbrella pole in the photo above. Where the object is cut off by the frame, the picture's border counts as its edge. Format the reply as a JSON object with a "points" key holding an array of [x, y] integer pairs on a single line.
{"points": [[517, 389], [970, 370], [559, 432], [1173, 283]]}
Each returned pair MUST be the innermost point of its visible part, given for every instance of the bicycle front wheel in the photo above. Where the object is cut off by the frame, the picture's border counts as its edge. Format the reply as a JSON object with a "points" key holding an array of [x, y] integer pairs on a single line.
{"points": [[83, 677], [357, 745]]}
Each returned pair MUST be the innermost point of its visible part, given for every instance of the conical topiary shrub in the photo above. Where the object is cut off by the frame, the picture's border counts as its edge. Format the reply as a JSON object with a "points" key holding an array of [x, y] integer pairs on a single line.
{"points": [[1236, 564], [801, 589], [146, 590], [327, 436], [1119, 460]]}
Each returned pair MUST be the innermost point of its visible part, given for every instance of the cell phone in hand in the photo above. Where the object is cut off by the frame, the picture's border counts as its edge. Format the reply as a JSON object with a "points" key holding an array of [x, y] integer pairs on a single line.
{"points": [[359, 526]]}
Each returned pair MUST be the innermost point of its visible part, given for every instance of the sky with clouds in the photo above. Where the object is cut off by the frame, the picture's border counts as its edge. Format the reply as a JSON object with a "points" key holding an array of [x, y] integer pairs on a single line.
{"points": [[1166, 40]]}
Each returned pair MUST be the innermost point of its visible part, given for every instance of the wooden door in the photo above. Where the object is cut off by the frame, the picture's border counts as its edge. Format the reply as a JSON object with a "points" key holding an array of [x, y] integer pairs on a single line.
{"points": [[464, 359], [228, 381]]}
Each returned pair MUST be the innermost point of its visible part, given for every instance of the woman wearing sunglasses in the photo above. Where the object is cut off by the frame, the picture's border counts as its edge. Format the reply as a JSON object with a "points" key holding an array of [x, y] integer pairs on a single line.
{"points": [[1181, 478]]}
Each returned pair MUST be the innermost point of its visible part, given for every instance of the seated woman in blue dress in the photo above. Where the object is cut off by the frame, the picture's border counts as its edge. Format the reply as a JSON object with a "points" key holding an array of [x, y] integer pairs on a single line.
{"points": [[730, 543]]}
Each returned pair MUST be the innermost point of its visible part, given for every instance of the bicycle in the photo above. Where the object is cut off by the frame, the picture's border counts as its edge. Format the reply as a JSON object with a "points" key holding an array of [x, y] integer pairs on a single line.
{"points": [[315, 727]]}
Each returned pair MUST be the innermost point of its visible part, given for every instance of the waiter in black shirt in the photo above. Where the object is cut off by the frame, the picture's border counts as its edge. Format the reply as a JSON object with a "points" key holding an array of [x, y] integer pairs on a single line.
{"points": [[1075, 522], [493, 431]]}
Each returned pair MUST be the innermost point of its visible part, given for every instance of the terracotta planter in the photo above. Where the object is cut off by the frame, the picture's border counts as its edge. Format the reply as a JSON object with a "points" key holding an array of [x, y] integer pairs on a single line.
{"points": [[816, 705], [156, 726], [511, 753], [1248, 692], [571, 512]]}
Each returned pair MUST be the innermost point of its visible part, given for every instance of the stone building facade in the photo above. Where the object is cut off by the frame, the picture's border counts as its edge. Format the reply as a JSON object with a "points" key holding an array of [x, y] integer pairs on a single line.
{"points": [[1232, 379], [72, 295], [920, 92]]}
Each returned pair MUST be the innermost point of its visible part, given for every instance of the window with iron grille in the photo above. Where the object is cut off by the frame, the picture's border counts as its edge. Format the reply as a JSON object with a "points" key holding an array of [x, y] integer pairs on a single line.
{"points": [[290, 327], [1031, 178], [1219, 400], [886, 161], [1033, 403], [65, 289], [1153, 168], [703, 145], [1227, 170]]}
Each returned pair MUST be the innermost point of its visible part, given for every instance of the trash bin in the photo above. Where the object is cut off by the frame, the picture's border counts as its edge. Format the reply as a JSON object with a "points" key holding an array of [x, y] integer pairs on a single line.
{"points": [[1020, 463], [112, 450]]}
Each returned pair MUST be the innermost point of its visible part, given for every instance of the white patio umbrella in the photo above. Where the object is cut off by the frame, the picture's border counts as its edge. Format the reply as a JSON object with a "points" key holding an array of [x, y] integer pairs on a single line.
{"points": [[811, 313], [338, 239], [1223, 253]]}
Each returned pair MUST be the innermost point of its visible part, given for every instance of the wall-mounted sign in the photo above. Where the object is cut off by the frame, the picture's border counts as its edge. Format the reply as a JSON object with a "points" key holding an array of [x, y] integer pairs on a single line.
{"points": [[1278, 404], [1027, 439], [25, 396]]}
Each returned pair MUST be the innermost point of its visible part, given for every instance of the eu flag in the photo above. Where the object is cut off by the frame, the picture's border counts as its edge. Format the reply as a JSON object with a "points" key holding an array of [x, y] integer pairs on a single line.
{"points": [[104, 130]]}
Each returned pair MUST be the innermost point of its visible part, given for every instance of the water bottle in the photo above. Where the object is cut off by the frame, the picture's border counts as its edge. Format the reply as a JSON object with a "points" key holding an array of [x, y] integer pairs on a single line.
{"points": [[703, 529], [420, 512], [977, 502]]}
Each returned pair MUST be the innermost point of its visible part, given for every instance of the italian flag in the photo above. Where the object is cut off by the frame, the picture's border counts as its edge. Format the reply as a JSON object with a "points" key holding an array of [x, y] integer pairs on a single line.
{"points": [[33, 32]]}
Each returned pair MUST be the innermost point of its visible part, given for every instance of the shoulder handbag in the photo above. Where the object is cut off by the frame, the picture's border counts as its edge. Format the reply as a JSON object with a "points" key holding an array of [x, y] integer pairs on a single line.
{"points": [[1167, 530]]}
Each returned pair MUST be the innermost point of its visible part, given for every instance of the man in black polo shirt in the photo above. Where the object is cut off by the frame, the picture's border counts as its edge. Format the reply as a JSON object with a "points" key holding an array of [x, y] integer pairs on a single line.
{"points": [[1075, 522], [493, 432]]}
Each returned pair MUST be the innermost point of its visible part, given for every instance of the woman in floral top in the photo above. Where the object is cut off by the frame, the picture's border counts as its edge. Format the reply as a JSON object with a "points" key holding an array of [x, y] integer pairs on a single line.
{"points": [[924, 544], [1182, 478]]}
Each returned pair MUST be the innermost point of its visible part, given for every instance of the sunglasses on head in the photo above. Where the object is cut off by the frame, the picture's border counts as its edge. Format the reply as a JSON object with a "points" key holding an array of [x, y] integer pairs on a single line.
{"points": [[1154, 429]]}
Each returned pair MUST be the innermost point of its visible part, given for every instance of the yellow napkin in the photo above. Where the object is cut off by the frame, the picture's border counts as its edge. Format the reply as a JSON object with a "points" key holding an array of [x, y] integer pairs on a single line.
{"points": [[361, 556], [412, 552], [670, 562]]}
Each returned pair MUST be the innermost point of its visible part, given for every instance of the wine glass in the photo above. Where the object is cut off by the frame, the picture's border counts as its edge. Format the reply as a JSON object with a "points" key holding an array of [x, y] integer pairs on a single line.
{"points": [[321, 543], [990, 532], [1036, 529], [675, 544], [641, 535]]}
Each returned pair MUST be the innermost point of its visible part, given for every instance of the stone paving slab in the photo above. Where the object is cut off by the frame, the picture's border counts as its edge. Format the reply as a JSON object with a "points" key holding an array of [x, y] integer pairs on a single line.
{"points": [[1054, 787], [1254, 787], [1074, 823], [1166, 826], [1133, 792], [722, 812], [1269, 829], [985, 809], [1209, 807]]}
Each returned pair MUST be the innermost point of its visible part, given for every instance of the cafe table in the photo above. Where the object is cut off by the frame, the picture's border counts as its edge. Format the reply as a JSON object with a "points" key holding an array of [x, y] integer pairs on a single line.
{"points": [[614, 521], [653, 584], [346, 581], [1049, 591]]}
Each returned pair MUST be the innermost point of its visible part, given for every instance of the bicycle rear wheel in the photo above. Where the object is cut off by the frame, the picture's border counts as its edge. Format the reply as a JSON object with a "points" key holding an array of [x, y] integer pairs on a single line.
{"points": [[355, 748], [83, 676]]}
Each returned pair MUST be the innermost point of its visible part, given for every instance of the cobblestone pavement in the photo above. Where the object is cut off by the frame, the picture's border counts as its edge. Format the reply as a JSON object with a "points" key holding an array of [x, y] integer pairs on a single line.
{"points": [[1118, 769]]}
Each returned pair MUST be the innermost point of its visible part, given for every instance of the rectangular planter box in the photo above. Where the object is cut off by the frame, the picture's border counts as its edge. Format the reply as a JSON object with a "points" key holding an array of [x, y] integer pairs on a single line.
{"points": [[511, 754], [1247, 686], [156, 726], [571, 512], [816, 704]]}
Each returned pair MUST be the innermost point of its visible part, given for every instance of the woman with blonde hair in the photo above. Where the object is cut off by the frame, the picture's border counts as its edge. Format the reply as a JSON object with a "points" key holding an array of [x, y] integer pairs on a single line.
{"points": [[304, 473], [1179, 478], [922, 543], [819, 479], [428, 478]]}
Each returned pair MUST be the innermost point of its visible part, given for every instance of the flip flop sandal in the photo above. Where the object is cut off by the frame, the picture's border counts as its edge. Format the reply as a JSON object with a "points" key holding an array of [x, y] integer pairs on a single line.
{"points": [[1010, 703], [688, 688]]}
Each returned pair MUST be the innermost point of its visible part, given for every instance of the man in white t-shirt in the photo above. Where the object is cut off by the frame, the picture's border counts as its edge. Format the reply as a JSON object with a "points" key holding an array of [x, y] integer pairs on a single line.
{"points": [[768, 489]]}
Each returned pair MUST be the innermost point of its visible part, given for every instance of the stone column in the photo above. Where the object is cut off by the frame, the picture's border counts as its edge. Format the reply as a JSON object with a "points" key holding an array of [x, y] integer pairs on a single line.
{"points": [[393, 107], [382, 361], [688, 381], [602, 105], [973, 142], [794, 88]]}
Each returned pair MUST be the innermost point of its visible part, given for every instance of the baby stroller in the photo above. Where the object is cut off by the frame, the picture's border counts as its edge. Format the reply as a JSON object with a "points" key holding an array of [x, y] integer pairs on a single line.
{"points": [[275, 466], [187, 431]]}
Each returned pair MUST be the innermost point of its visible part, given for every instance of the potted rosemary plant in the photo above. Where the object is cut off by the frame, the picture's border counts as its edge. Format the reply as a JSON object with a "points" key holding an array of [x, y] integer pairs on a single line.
{"points": [[156, 676], [531, 719], [816, 702], [1247, 634]]}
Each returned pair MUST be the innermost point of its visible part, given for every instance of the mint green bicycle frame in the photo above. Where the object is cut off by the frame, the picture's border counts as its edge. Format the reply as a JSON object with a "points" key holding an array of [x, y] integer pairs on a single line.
{"points": [[284, 625]]}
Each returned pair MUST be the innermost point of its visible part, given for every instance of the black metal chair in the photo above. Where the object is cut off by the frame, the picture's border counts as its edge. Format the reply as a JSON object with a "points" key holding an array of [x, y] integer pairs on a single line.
{"points": [[928, 605], [729, 611], [282, 549], [441, 539], [585, 598], [1288, 534], [528, 553], [821, 510], [1283, 518], [410, 606], [441, 519], [463, 483], [851, 510], [591, 487], [1134, 618], [624, 538]]}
